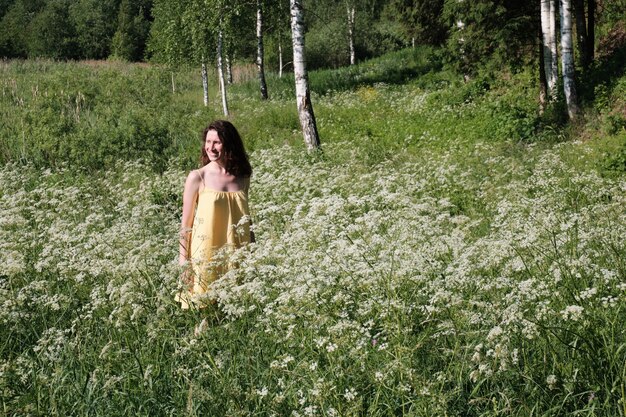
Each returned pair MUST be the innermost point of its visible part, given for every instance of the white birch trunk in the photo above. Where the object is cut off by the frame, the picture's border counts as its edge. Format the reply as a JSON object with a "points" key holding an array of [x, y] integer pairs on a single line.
{"points": [[173, 83], [229, 70], [205, 84], [567, 58], [303, 97], [351, 12], [259, 49], [220, 73], [280, 59], [550, 59], [553, 45]]}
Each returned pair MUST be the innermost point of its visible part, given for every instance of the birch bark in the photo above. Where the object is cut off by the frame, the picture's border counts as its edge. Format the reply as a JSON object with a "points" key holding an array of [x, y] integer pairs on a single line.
{"points": [[548, 30], [259, 49], [229, 70], [205, 84], [351, 10], [567, 58], [303, 97], [280, 59], [220, 73]]}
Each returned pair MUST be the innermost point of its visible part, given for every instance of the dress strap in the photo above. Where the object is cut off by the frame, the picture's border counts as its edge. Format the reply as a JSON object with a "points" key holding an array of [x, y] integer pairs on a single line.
{"points": [[201, 178]]}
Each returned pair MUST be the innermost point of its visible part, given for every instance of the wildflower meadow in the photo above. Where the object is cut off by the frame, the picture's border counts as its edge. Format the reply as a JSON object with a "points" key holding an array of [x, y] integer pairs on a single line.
{"points": [[446, 254]]}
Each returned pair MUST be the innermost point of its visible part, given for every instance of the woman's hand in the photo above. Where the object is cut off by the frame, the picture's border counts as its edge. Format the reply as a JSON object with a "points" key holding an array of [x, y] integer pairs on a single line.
{"points": [[186, 276]]}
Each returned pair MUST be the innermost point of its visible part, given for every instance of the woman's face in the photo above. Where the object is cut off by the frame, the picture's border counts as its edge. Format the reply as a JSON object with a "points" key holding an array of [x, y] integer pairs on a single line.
{"points": [[213, 146]]}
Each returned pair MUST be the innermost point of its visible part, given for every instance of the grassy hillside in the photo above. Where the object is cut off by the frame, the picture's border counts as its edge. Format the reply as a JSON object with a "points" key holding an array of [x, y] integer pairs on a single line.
{"points": [[451, 251]]}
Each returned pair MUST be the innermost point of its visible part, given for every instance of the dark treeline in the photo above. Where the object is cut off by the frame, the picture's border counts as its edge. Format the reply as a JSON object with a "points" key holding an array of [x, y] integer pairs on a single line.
{"points": [[473, 32], [75, 29]]}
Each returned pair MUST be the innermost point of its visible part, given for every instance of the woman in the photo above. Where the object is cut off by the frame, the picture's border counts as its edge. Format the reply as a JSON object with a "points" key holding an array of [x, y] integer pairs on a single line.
{"points": [[215, 206]]}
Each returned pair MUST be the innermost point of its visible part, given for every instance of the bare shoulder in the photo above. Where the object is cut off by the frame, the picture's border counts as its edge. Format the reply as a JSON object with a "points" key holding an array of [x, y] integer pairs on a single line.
{"points": [[192, 183]]}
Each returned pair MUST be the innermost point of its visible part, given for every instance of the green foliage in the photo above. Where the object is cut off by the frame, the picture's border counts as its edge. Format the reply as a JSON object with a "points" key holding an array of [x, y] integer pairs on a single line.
{"points": [[614, 161], [420, 20], [327, 38], [168, 41], [13, 37], [51, 33], [129, 41], [486, 30], [327, 46], [59, 114], [94, 26]]}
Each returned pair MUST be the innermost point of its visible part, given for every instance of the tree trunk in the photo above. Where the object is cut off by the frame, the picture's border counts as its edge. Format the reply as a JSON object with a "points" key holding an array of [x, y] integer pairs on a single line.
{"points": [[220, 73], [303, 97], [280, 59], [591, 30], [548, 30], [173, 83], [567, 56], [351, 11], [259, 49], [543, 84], [229, 69], [581, 32], [205, 84]]}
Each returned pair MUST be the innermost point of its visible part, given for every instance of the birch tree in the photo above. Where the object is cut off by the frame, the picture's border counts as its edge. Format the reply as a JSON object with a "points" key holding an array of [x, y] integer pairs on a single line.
{"points": [[220, 73], [193, 30], [205, 83], [351, 9], [303, 97], [259, 55], [279, 29], [550, 59], [567, 58]]}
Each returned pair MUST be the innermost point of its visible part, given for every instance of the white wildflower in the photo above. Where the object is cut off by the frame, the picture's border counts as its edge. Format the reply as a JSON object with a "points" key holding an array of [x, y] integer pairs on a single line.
{"points": [[350, 394], [572, 312]]}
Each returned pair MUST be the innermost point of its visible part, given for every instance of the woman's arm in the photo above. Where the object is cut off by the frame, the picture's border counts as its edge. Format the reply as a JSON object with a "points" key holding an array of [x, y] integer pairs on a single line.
{"points": [[246, 187], [190, 194]]}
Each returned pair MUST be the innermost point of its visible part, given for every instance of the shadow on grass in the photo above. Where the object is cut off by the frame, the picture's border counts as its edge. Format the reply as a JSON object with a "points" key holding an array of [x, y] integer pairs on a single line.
{"points": [[393, 68]]}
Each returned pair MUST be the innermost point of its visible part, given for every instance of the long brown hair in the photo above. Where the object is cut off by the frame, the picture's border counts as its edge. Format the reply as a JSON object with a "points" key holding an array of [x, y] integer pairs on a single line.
{"points": [[234, 154]]}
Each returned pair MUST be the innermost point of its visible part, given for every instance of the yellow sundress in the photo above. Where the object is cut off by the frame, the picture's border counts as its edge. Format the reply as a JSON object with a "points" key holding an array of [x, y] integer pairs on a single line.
{"points": [[221, 219]]}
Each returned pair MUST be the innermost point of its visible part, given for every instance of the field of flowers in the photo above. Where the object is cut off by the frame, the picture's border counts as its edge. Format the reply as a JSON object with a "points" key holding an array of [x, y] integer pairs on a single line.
{"points": [[422, 265]]}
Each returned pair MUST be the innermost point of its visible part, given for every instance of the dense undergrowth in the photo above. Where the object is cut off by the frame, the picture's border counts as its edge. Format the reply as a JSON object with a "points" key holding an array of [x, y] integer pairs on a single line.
{"points": [[451, 251]]}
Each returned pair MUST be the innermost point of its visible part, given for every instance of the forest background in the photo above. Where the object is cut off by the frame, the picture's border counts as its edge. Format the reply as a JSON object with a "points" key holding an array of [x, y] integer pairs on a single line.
{"points": [[456, 248]]}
